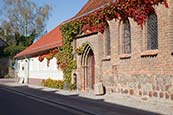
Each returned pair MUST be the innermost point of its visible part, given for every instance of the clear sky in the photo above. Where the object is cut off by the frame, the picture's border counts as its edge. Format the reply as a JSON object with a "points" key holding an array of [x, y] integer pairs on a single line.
{"points": [[61, 10]]}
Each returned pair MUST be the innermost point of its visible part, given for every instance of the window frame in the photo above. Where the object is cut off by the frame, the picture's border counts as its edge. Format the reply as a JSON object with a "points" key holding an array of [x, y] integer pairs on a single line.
{"points": [[150, 45], [145, 50], [124, 44]]}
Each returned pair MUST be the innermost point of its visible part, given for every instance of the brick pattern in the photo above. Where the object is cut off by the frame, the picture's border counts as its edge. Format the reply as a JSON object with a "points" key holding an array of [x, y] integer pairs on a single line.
{"points": [[160, 86], [145, 72]]}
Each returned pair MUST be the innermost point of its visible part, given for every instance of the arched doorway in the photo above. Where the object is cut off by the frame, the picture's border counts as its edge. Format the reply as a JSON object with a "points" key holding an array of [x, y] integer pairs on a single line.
{"points": [[88, 64]]}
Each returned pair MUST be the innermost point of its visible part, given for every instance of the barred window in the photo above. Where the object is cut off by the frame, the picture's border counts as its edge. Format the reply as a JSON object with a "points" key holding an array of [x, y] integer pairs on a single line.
{"points": [[126, 37], [107, 41], [152, 32]]}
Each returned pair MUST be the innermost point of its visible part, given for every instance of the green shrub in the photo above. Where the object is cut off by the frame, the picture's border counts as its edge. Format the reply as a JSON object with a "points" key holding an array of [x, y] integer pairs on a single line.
{"points": [[72, 86], [59, 84], [13, 49], [7, 76]]}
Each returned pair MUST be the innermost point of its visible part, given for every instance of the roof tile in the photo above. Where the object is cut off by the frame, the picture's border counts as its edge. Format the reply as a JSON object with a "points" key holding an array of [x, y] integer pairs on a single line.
{"points": [[92, 5]]}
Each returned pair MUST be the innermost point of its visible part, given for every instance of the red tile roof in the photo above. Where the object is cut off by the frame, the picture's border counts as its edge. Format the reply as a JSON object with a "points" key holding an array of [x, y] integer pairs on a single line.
{"points": [[50, 40], [92, 5]]}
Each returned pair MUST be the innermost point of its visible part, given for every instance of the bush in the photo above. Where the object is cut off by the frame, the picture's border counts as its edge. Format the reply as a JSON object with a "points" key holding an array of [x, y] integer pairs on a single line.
{"points": [[72, 86], [13, 49], [59, 84], [7, 76]]}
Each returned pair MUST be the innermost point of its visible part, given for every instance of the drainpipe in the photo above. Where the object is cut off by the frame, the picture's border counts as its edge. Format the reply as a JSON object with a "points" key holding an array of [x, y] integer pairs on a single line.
{"points": [[28, 69]]}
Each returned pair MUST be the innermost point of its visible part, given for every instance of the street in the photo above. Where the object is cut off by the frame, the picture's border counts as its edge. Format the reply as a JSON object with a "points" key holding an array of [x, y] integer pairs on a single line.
{"points": [[16, 104], [17, 99]]}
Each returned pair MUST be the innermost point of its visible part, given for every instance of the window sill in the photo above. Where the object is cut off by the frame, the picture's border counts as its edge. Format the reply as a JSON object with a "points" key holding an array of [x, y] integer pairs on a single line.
{"points": [[106, 58], [149, 53], [125, 56]]}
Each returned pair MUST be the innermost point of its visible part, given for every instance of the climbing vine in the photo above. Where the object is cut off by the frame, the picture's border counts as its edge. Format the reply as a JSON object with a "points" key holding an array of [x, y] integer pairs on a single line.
{"points": [[138, 10], [65, 56], [81, 49]]}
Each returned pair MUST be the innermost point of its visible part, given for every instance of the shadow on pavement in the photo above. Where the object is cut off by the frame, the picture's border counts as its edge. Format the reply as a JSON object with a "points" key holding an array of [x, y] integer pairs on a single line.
{"points": [[94, 106]]}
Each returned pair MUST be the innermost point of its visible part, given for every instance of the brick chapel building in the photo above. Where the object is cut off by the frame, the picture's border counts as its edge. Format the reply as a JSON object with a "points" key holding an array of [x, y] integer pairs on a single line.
{"points": [[126, 58]]}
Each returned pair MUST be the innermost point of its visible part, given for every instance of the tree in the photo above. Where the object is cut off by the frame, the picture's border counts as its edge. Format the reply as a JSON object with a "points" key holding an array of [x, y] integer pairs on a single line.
{"points": [[24, 16], [23, 22]]}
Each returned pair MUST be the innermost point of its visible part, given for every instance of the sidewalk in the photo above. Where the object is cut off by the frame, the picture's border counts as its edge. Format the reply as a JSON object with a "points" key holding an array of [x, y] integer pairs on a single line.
{"points": [[97, 105]]}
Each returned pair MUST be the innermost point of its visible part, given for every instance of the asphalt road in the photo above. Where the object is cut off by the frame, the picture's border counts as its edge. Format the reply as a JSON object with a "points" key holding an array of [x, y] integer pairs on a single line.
{"points": [[12, 103], [23, 100]]}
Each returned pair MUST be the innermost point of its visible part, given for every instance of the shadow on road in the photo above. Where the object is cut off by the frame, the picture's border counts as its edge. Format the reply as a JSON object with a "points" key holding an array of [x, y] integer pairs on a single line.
{"points": [[94, 106]]}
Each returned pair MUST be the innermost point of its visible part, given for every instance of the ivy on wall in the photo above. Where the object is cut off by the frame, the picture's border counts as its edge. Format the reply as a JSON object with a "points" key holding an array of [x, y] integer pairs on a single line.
{"points": [[65, 56], [81, 49], [138, 10], [48, 55]]}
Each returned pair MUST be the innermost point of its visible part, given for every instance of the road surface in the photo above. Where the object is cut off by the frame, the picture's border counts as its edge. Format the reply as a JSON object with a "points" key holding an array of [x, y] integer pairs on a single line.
{"points": [[13, 103]]}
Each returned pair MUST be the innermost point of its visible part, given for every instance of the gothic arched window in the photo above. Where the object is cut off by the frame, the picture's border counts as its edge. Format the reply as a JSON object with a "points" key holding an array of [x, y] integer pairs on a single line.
{"points": [[152, 32], [107, 41], [126, 37]]}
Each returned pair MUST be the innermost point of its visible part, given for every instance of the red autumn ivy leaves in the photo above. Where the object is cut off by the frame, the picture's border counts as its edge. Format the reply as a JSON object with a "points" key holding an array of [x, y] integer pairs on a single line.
{"points": [[96, 22], [119, 10], [48, 56]]}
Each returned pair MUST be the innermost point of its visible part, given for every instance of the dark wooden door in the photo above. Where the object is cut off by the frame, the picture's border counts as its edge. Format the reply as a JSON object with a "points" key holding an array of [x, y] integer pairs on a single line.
{"points": [[90, 71]]}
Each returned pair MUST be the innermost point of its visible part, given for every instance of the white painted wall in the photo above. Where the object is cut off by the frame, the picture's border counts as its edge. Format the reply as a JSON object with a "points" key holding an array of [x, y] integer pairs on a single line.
{"points": [[39, 70], [20, 68]]}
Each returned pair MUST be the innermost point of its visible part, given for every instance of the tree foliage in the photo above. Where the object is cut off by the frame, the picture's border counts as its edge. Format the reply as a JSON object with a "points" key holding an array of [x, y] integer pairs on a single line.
{"points": [[22, 21], [16, 43], [24, 16]]}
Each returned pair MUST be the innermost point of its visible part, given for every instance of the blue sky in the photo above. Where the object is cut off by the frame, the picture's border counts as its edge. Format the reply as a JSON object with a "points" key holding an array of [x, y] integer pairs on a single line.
{"points": [[61, 10]]}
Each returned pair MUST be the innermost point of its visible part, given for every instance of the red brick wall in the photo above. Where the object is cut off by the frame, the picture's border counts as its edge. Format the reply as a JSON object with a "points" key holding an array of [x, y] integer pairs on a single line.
{"points": [[138, 74]]}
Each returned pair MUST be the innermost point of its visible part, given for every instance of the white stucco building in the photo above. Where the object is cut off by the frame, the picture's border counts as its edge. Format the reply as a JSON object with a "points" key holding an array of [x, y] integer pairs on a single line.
{"points": [[29, 69]]}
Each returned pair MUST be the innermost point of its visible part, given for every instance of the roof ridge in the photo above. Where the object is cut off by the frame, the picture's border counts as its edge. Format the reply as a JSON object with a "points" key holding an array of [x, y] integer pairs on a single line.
{"points": [[91, 5], [78, 15]]}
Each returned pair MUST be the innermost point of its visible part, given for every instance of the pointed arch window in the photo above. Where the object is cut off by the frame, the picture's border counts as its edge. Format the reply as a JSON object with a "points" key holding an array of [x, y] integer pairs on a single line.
{"points": [[152, 32], [107, 41], [126, 36]]}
